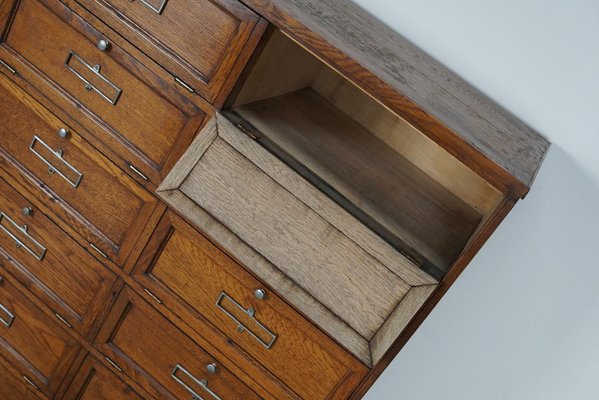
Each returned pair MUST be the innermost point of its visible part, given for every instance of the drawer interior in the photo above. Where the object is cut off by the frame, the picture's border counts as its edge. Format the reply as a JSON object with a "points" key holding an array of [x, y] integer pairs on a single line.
{"points": [[372, 162]]}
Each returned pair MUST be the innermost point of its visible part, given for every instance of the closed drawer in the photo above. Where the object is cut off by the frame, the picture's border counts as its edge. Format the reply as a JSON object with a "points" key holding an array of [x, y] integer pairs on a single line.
{"points": [[32, 341], [199, 41], [252, 316], [94, 382], [163, 359], [145, 122], [14, 385], [86, 190], [325, 262], [46, 260]]}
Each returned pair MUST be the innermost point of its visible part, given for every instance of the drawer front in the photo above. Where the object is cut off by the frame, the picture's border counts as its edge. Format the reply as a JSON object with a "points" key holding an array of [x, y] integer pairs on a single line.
{"points": [[94, 382], [14, 385], [198, 40], [46, 260], [259, 322], [108, 207], [118, 91], [32, 341], [169, 364]]}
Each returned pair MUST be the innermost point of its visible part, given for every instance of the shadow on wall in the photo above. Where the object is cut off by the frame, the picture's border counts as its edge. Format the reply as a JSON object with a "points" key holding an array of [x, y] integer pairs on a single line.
{"points": [[522, 323]]}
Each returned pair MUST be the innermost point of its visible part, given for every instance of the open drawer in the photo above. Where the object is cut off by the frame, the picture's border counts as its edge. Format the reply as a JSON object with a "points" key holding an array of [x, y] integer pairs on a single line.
{"points": [[348, 211]]}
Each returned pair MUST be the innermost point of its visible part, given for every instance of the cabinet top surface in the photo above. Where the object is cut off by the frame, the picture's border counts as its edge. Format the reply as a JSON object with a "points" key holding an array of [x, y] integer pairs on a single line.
{"points": [[431, 97]]}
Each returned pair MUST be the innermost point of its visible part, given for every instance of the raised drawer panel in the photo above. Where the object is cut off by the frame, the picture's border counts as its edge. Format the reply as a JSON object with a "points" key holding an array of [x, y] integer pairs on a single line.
{"points": [[85, 189], [323, 253], [145, 122], [94, 382], [304, 358], [168, 363], [50, 263], [14, 385], [32, 341], [200, 41]]}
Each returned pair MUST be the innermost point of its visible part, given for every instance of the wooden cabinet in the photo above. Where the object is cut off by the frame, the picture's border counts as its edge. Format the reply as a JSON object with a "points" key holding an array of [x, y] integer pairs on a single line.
{"points": [[193, 276], [94, 382], [149, 348], [32, 341], [225, 199], [81, 186], [202, 42]]}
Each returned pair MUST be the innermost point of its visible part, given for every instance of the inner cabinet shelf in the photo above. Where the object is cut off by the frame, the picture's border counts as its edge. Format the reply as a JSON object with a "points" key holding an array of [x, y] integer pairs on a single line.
{"points": [[372, 162]]}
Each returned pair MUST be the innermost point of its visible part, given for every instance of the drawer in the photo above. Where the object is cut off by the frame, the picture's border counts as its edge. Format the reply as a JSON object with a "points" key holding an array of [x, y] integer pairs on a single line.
{"points": [[148, 348], [94, 382], [144, 121], [14, 385], [199, 41], [47, 261], [85, 189], [326, 263], [252, 316], [32, 341]]}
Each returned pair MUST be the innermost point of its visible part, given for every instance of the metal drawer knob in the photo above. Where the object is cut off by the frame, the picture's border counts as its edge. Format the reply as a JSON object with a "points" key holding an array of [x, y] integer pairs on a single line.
{"points": [[260, 294], [63, 132], [27, 211], [103, 45], [211, 368]]}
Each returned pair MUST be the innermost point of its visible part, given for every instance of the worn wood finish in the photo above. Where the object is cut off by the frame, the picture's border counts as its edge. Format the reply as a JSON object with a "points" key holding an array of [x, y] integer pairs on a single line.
{"points": [[68, 278], [152, 123], [34, 343], [94, 382], [315, 243], [200, 42], [470, 126], [14, 386], [147, 347], [108, 206], [299, 346], [392, 193]]}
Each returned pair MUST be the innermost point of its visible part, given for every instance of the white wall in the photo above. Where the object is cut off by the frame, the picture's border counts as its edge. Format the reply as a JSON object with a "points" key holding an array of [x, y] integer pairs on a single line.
{"points": [[522, 323]]}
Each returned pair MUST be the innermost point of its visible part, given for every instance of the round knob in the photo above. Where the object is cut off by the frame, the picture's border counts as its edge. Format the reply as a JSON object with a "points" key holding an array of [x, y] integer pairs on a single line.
{"points": [[63, 132], [260, 294], [103, 45], [211, 368], [27, 211]]}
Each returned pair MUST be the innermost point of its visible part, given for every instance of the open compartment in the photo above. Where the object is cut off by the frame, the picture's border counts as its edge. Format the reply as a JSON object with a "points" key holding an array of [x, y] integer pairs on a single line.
{"points": [[377, 166]]}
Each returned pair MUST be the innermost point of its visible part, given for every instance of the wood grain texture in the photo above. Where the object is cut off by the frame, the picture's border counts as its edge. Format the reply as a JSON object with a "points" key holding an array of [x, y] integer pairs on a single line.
{"points": [[34, 343], [470, 126], [323, 205], [292, 236], [298, 347], [376, 180], [68, 278], [109, 207], [14, 386], [147, 348], [94, 382], [200, 42], [151, 121], [267, 272]]}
